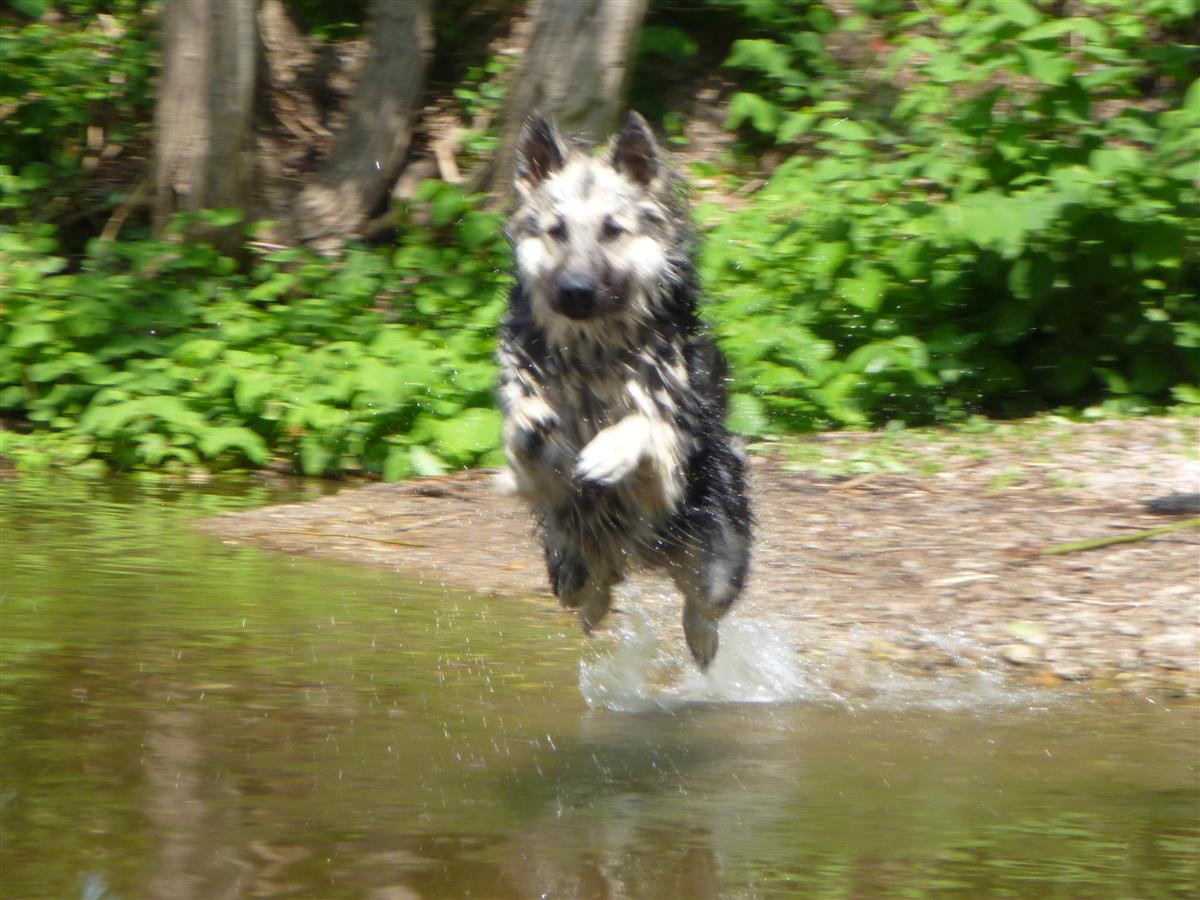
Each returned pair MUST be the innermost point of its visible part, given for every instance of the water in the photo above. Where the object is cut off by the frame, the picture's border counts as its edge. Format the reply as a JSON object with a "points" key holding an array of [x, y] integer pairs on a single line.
{"points": [[180, 718]]}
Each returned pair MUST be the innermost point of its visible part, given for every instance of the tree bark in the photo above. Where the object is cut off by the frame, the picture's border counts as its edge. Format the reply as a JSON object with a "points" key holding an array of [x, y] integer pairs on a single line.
{"points": [[204, 148], [370, 150], [576, 73]]}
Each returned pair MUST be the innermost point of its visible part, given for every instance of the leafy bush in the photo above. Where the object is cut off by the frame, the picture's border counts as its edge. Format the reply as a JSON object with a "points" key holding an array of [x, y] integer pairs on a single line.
{"points": [[158, 353], [982, 207], [76, 90], [1002, 221]]}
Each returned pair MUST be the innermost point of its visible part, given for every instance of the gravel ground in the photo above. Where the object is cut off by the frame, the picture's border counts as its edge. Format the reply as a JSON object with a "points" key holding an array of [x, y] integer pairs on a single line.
{"points": [[875, 554]]}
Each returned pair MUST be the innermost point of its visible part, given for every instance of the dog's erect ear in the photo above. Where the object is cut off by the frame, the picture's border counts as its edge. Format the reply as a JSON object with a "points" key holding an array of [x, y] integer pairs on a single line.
{"points": [[540, 153], [636, 152]]}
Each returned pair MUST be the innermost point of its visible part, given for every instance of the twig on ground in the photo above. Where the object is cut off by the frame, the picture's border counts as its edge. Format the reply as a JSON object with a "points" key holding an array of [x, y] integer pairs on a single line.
{"points": [[1096, 543]]}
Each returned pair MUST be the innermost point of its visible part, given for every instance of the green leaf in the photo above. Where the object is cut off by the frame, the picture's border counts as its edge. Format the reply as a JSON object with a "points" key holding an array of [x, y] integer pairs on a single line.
{"points": [[448, 205], [1108, 161], [845, 129], [477, 228], [398, 464], [795, 125], [251, 389], [821, 19], [758, 111], [827, 256], [35, 9], [30, 334], [220, 218], [1048, 67], [1031, 277], [1021, 12], [747, 415], [462, 438], [314, 456], [762, 54], [425, 463], [866, 291], [216, 440], [671, 42], [1090, 30], [198, 351], [1191, 102]]}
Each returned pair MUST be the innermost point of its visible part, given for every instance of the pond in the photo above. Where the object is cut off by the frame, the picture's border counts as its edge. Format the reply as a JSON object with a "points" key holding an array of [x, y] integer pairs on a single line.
{"points": [[182, 718]]}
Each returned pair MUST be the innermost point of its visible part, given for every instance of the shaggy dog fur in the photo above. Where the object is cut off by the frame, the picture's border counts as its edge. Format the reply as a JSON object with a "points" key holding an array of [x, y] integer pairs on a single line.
{"points": [[612, 393]]}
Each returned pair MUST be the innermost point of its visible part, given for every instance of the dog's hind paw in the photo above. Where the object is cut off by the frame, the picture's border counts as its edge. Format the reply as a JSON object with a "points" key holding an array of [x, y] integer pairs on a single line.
{"points": [[702, 637]]}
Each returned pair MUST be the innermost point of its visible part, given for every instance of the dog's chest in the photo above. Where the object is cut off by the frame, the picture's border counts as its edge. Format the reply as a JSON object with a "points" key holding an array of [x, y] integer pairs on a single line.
{"points": [[589, 401]]}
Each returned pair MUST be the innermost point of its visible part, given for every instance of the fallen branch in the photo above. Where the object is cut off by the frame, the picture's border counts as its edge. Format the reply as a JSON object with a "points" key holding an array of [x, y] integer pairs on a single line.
{"points": [[1095, 543]]}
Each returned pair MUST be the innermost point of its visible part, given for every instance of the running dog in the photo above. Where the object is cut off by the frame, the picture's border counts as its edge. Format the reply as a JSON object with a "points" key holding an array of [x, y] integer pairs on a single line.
{"points": [[612, 392]]}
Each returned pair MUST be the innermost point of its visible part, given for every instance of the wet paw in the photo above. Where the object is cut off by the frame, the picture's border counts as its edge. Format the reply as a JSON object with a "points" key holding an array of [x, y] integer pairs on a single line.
{"points": [[594, 610], [613, 454], [568, 577], [527, 425], [702, 637]]}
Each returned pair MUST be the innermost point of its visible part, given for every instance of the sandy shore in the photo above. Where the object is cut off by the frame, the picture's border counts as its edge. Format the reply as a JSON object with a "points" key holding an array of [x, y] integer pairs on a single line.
{"points": [[922, 553]]}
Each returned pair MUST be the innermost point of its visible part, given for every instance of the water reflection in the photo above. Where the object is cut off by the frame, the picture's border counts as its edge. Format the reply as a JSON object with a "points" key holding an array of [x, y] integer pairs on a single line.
{"points": [[185, 719]]}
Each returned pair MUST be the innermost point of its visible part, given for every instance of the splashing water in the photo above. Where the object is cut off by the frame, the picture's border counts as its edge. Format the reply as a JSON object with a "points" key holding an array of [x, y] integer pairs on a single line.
{"points": [[755, 664], [758, 664]]}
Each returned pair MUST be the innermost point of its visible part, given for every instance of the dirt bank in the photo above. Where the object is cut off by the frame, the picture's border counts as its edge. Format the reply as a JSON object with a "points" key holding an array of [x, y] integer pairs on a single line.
{"points": [[923, 551]]}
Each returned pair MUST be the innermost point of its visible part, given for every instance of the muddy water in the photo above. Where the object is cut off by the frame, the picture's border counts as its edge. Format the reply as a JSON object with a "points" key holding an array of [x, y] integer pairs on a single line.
{"points": [[184, 719]]}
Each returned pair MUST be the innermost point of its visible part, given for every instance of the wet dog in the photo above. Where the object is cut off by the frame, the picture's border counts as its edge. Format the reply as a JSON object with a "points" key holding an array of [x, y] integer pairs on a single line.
{"points": [[613, 394]]}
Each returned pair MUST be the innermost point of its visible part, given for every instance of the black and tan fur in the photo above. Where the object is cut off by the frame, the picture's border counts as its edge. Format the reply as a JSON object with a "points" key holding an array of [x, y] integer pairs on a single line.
{"points": [[613, 394]]}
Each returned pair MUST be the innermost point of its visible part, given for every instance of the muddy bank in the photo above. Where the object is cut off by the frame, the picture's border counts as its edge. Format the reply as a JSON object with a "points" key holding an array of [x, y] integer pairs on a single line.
{"points": [[922, 552]]}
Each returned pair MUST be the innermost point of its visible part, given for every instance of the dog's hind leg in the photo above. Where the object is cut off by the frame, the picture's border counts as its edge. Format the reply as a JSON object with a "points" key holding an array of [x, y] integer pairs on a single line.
{"points": [[710, 574]]}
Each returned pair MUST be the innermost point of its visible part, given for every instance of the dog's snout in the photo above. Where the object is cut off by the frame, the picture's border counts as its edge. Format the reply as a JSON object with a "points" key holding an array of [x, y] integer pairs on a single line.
{"points": [[577, 297]]}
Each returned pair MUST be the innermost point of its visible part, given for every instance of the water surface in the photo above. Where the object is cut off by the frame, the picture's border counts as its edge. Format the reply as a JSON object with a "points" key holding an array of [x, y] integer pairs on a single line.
{"points": [[181, 718]]}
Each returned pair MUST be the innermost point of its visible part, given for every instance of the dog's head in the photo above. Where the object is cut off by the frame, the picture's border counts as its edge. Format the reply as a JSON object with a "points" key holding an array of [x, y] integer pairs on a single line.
{"points": [[597, 238]]}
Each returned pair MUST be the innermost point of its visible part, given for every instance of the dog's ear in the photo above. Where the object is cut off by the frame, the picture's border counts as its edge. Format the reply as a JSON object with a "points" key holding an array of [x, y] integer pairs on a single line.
{"points": [[540, 153], [636, 152]]}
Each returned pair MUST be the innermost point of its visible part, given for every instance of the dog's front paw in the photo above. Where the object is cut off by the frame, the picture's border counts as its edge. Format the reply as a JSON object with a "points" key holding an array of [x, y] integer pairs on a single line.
{"points": [[529, 425], [612, 455]]}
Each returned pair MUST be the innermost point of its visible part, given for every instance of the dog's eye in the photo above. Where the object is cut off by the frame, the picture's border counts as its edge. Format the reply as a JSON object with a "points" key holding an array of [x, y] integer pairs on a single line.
{"points": [[651, 217], [611, 229], [558, 230]]}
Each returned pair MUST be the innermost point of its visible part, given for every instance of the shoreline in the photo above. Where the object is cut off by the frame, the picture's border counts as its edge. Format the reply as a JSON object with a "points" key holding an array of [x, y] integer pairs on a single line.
{"points": [[931, 559]]}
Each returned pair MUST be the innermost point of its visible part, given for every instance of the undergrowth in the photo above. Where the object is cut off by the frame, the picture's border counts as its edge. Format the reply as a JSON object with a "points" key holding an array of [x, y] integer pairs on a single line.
{"points": [[978, 207]]}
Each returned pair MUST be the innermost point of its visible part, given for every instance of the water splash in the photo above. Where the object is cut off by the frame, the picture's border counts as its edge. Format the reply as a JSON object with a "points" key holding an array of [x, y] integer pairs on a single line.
{"points": [[758, 664], [755, 664]]}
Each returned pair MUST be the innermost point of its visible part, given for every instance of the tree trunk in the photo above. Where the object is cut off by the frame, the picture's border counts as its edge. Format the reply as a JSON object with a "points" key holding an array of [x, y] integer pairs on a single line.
{"points": [[370, 150], [204, 142], [576, 73]]}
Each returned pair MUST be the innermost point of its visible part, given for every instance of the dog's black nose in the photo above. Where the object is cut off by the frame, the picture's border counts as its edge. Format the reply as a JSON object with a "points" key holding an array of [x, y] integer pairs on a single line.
{"points": [[577, 297]]}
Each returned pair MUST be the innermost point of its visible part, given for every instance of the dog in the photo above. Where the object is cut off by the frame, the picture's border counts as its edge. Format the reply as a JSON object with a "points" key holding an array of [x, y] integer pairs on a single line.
{"points": [[612, 392]]}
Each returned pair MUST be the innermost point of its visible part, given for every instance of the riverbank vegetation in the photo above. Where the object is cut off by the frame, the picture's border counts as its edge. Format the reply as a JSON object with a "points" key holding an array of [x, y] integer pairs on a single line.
{"points": [[912, 213]]}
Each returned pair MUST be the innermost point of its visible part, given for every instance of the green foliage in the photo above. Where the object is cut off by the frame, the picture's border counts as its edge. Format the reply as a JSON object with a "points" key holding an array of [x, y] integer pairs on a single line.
{"points": [[982, 206], [481, 98], [164, 354], [71, 87], [1014, 229]]}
